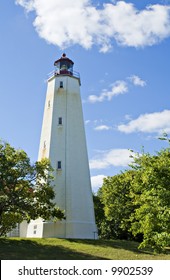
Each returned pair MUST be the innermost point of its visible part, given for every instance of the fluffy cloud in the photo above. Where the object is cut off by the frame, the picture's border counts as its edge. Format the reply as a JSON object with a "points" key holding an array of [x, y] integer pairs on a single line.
{"points": [[155, 122], [65, 23], [87, 121], [114, 157], [137, 81], [102, 127], [119, 87], [97, 182]]}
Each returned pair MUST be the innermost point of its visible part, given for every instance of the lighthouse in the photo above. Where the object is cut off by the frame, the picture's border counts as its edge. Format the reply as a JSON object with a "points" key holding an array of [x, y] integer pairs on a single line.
{"points": [[63, 142]]}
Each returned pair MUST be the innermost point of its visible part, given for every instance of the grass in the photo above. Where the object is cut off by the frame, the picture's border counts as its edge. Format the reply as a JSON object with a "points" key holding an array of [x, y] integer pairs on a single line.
{"points": [[62, 249]]}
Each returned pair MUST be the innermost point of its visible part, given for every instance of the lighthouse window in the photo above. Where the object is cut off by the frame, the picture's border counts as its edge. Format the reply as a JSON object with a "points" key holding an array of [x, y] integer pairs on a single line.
{"points": [[49, 104], [44, 144], [61, 84], [59, 165], [60, 121]]}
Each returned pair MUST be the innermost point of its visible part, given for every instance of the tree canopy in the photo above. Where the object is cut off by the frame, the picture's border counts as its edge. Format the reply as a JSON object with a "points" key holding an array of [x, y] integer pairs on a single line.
{"points": [[136, 202], [25, 189]]}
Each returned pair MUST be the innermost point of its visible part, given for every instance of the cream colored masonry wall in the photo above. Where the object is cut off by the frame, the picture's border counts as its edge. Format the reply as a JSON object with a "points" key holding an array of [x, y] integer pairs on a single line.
{"points": [[67, 143]]}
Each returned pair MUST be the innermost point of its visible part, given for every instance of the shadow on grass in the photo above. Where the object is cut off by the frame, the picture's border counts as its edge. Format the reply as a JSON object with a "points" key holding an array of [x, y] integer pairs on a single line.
{"points": [[119, 244], [22, 249], [49, 249]]}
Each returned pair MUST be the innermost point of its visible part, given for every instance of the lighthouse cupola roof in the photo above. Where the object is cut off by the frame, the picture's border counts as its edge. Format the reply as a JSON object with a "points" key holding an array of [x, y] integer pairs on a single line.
{"points": [[64, 65], [63, 58]]}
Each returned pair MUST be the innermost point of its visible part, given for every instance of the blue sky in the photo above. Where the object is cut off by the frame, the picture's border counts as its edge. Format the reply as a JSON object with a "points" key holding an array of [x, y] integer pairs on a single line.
{"points": [[122, 51]]}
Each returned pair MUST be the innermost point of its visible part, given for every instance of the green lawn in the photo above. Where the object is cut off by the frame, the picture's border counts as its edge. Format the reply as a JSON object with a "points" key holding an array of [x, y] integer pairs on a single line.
{"points": [[61, 249]]}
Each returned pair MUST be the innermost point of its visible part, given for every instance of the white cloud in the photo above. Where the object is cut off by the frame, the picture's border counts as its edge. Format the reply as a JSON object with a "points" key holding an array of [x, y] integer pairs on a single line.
{"points": [[27, 4], [114, 157], [127, 117], [97, 182], [151, 123], [102, 127], [65, 23], [137, 81], [87, 121], [119, 87]]}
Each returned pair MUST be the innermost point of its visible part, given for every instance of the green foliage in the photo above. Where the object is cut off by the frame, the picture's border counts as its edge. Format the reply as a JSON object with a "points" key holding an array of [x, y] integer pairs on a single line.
{"points": [[150, 193], [25, 189], [136, 203], [114, 193]]}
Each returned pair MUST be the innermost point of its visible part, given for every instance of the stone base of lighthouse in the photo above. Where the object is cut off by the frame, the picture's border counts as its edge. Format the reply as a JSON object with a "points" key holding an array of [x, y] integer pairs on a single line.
{"points": [[60, 229]]}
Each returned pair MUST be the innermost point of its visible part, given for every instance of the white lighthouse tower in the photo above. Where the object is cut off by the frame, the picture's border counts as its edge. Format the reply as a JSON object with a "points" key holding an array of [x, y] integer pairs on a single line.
{"points": [[63, 141]]}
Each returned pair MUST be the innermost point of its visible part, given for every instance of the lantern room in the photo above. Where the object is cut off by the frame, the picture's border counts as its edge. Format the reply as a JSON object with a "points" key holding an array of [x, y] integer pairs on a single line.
{"points": [[64, 65]]}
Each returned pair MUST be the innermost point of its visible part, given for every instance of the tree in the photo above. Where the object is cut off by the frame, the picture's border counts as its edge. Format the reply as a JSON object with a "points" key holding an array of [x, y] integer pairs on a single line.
{"points": [[25, 189], [104, 226], [114, 195], [137, 201], [150, 194]]}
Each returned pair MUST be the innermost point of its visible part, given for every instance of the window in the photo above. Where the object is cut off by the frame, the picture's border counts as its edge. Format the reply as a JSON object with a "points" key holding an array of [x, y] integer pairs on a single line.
{"points": [[60, 121], [44, 144], [35, 232], [61, 84], [49, 104], [58, 164], [35, 227]]}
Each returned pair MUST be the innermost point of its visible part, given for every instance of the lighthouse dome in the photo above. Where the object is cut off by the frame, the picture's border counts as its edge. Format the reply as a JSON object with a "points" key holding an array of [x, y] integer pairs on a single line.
{"points": [[64, 65]]}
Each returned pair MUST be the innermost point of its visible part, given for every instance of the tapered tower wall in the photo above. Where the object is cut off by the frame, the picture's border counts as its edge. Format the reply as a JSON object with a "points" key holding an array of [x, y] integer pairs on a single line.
{"points": [[63, 141]]}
